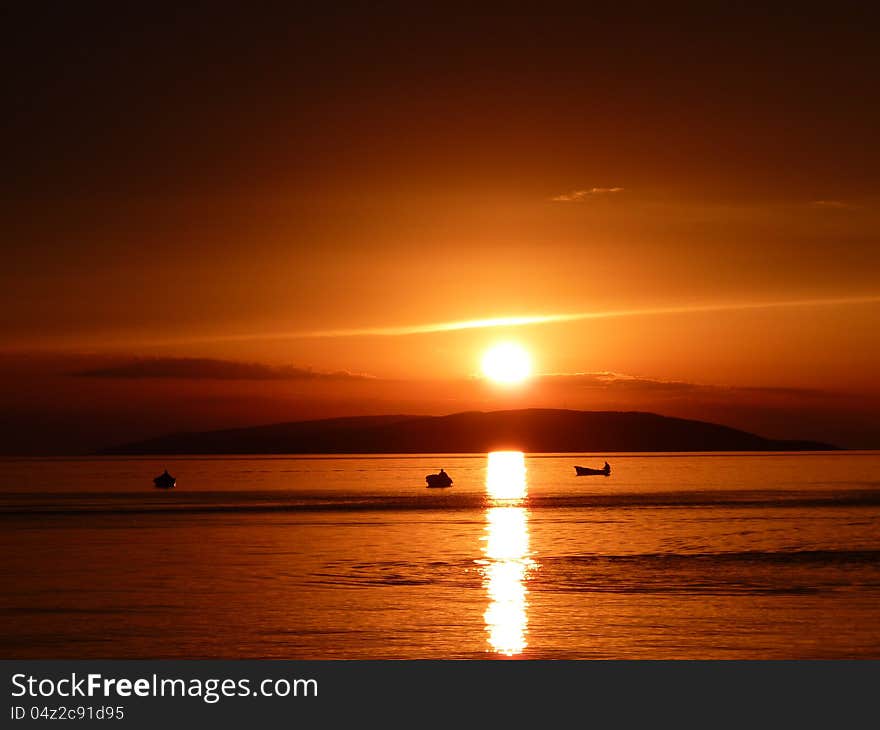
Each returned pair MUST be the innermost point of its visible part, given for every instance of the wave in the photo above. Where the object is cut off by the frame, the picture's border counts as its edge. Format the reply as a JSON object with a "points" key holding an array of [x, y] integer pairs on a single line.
{"points": [[773, 572], [60, 504]]}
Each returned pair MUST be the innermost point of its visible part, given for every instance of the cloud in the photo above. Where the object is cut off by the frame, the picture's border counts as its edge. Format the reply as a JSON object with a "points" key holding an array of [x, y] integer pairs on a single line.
{"points": [[538, 319], [508, 321], [609, 379], [612, 382], [620, 382], [578, 196], [194, 368], [837, 204]]}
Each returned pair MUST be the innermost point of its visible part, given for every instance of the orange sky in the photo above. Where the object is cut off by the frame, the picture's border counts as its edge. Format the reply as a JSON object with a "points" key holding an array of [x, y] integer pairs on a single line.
{"points": [[215, 186]]}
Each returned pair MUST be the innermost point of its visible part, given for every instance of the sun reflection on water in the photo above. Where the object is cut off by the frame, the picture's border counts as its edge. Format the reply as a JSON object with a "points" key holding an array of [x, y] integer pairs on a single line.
{"points": [[507, 562]]}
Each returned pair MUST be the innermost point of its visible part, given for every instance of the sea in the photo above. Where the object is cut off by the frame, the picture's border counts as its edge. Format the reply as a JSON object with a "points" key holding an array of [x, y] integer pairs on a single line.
{"points": [[709, 555]]}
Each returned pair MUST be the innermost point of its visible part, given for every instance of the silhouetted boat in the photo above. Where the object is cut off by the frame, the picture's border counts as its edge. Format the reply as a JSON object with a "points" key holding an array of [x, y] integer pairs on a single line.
{"points": [[165, 480], [437, 481], [583, 471]]}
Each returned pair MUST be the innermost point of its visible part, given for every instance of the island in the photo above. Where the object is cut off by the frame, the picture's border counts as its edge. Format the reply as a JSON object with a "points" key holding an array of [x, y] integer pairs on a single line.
{"points": [[532, 430]]}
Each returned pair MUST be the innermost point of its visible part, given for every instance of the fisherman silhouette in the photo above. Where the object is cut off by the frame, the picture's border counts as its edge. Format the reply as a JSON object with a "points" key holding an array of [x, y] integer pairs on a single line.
{"points": [[441, 479]]}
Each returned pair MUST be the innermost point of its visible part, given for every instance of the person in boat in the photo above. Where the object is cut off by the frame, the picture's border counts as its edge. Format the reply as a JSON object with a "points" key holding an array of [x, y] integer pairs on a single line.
{"points": [[443, 474], [607, 467]]}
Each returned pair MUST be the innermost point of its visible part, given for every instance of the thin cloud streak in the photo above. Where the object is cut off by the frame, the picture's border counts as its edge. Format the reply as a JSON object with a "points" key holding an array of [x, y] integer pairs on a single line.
{"points": [[200, 368], [470, 324], [839, 204], [539, 319], [578, 196]]}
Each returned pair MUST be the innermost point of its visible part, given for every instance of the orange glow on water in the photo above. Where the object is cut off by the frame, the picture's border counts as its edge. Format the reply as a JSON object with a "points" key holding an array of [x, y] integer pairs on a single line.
{"points": [[507, 553], [506, 475]]}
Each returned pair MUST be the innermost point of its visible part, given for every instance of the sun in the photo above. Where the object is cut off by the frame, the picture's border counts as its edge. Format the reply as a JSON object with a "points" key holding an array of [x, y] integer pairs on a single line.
{"points": [[507, 363]]}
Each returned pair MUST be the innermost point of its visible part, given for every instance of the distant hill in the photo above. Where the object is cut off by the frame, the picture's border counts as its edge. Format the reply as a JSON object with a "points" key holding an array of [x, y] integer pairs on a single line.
{"points": [[532, 430]]}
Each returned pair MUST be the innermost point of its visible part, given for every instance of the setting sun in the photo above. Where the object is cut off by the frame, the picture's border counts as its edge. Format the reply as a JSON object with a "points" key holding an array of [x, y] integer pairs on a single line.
{"points": [[507, 363]]}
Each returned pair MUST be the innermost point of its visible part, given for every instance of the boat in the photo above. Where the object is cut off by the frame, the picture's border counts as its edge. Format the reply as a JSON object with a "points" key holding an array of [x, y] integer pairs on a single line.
{"points": [[165, 480], [438, 481], [583, 471]]}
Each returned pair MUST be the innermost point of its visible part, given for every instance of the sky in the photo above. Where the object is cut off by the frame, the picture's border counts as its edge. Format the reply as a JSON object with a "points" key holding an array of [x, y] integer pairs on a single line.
{"points": [[216, 217]]}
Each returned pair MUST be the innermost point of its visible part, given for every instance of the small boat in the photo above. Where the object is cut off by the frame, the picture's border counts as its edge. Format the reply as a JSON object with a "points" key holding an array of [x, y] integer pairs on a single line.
{"points": [[438, 481], [583, 471], [165, 480]]}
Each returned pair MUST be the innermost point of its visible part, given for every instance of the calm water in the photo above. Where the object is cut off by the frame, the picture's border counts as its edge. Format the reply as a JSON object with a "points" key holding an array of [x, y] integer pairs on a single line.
{"points": [[725, 556]]}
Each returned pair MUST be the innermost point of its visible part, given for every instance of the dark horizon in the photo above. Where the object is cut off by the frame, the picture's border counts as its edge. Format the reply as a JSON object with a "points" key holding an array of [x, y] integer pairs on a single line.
{"points": [[80, 404], [531, 430]]}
